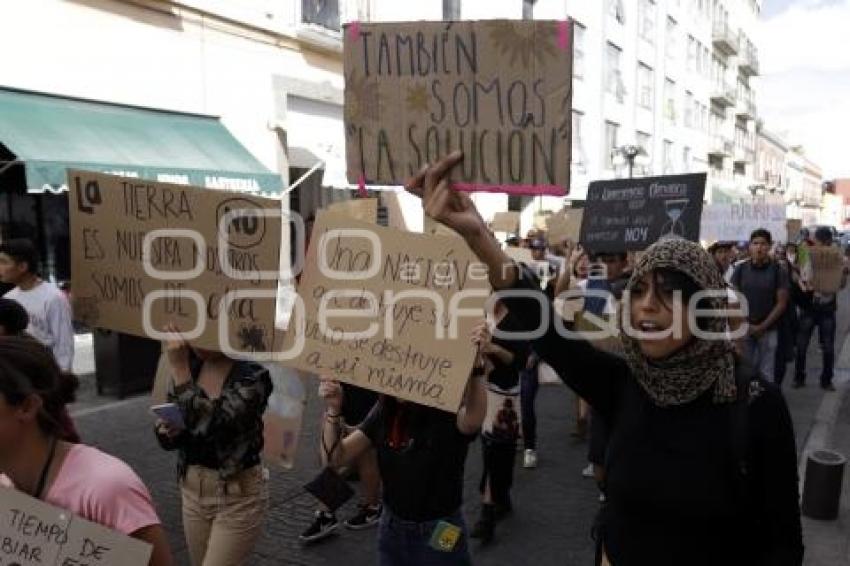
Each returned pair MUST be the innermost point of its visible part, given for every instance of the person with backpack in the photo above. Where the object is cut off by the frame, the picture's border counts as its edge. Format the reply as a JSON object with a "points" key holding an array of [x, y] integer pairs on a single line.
{"points": [[818, 310], [764, 285], [701, 463]]}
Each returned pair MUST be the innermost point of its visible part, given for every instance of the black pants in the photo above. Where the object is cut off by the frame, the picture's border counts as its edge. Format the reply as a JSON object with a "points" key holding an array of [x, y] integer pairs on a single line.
{"points": [[499, 458], [824, 320]]}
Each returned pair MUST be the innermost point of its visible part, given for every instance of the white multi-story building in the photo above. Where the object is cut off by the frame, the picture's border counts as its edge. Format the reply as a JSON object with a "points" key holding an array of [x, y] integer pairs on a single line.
{"points": [[668, 75]]}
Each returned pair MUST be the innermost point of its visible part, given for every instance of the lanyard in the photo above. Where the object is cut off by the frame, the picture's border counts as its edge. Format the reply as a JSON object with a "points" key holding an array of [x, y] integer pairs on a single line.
{"points": [[42, 480]]}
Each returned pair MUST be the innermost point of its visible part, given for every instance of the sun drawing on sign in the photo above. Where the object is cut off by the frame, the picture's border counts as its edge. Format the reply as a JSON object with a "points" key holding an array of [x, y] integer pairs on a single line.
{"points": [[363, 101], [417, 98], [522, 42]]}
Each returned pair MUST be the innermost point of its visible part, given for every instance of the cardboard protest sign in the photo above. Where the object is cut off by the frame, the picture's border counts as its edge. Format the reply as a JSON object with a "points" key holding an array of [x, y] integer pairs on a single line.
{"points": [[564, 224], [734, 222], [541, 220], [505, 222], [793, 227], [37, 534], [632, 214], [827, 266], [388, 310], [144, 254], [499, 90], [363, 209]]}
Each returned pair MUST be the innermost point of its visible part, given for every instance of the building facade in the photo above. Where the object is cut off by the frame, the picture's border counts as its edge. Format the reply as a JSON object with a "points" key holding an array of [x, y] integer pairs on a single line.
{"points": [[270, 71], [671, 76]]}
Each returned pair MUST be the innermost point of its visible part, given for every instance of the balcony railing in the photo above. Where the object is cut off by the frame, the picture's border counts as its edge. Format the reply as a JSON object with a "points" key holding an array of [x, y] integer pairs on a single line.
{"points": [[723, 95], [725, 40], [720, 146], [748, 63], [746, 108]]}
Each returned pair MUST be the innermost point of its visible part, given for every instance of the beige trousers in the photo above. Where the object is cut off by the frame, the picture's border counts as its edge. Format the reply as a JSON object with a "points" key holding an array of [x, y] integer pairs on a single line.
{"points": [[223, 520]]}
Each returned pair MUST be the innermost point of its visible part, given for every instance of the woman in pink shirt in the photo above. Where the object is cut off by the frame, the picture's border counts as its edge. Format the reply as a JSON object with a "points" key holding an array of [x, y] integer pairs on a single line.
{"points": [[76, 477]]}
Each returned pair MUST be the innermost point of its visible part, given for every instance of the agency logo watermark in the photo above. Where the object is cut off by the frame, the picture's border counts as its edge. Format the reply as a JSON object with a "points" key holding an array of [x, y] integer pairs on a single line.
{"points": [[237, 227]]}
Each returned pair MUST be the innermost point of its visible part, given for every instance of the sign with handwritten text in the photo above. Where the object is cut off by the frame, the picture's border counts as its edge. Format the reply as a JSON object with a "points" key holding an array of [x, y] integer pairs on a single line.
{"points": [[498, 90], [33, 533], [388, 310], [145, 254], [631, 214], [735, 221]]}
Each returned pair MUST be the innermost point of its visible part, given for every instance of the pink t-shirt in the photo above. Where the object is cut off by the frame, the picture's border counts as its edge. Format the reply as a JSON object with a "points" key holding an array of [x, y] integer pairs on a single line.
{"points": [[102, 489]]}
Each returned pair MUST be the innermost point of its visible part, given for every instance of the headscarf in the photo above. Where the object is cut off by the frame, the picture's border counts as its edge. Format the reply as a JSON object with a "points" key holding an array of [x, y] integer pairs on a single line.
{"points": [[700, 364]]}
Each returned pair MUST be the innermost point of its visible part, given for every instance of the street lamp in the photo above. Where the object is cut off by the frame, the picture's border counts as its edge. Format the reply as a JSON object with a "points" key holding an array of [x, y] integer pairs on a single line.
{"points": [[629, 153]]}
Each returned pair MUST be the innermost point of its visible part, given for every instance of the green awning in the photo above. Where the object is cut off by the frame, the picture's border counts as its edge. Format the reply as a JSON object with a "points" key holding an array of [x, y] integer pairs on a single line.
{"points": [[50, 134]]}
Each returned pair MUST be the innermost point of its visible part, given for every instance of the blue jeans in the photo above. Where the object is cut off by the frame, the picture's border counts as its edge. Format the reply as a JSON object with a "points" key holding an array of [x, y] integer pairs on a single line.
{"points": [[407, 543], [825, 322], [761, 352], [529, 384]]}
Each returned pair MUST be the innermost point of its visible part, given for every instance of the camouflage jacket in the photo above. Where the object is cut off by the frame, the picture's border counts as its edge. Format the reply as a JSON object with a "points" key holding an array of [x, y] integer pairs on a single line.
{"points": [[230, 426]]}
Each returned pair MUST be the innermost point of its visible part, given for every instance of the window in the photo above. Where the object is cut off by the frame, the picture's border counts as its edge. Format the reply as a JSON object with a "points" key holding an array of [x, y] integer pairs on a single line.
{"points": [[644, 140], [692, 53], [579, 160], [647, 20], [322, 13], [686, 159], [451, 10], [689, 109], [579, 39], [705, 61], [670, 38], [703, 116], [645, 86], [667, 157], [614, 82], [611, 131], [528, 9], [670, 101], [616, 11]]}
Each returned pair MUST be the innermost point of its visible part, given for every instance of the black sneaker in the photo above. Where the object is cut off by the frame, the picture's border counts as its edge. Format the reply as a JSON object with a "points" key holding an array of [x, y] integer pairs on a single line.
{"points": [[324, 526], [828, 387], [797, 384], [367, 516]]}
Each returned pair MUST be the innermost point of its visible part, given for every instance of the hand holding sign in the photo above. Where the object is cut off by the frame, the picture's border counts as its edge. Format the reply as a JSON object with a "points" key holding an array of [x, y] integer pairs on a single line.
{"points": [[441, 202], [331, 392]]}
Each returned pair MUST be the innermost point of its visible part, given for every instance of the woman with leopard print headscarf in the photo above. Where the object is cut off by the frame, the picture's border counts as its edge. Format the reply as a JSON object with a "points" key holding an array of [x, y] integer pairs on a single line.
{"points": [[702, 464]]}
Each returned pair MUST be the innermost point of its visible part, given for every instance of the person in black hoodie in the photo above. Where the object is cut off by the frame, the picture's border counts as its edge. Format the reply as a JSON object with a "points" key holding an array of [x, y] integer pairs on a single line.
{"points": [[701, 463], [501, 428]]}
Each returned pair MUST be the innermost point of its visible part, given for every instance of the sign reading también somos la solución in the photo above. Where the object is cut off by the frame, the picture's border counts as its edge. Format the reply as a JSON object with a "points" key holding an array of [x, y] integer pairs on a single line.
{"points": [[498, 90]]}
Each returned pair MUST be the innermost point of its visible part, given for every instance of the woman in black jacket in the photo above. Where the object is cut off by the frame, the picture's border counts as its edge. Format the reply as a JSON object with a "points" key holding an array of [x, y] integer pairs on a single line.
{"points": [[702, 466]]}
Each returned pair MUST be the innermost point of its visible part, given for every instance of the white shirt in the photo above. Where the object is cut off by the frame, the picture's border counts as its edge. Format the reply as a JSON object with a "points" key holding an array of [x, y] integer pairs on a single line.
{"points": [[50, 320]]}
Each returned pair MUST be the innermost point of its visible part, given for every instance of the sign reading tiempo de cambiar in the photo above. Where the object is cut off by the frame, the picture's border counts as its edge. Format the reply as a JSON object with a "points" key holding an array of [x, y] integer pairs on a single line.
{"points": [[37, 534], [498, 90], [632, 214]]}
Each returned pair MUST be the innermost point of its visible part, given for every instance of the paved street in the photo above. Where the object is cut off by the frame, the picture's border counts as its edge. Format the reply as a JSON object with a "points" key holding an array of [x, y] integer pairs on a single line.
{"points": [[554, 505]]}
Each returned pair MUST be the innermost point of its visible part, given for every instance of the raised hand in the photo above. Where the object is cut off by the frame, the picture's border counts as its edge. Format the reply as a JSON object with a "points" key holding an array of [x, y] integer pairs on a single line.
{"points": [[441, 202]]}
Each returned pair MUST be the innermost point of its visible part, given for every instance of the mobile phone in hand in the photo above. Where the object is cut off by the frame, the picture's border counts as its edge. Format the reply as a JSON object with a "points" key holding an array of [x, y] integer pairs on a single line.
{"points": [[170, 414]]}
